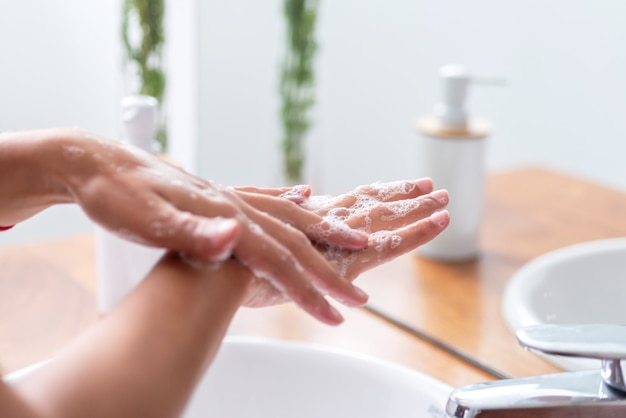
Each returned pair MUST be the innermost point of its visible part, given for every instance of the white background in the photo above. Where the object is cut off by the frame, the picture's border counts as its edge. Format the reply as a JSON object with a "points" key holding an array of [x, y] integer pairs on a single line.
{"points": [[377, 68]]}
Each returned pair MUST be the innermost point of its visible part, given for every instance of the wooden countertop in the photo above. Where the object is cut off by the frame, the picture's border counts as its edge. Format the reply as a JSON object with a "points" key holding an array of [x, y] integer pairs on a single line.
{"points": [[47, 290]]}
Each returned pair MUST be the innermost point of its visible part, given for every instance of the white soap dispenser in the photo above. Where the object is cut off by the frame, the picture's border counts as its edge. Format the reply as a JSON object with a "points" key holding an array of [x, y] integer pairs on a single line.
{"points": [[452, 153], [122, 264]]}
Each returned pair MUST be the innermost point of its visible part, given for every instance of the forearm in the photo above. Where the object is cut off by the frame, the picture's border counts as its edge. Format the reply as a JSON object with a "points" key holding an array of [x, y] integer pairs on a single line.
{"points": [[29, 178], [146, 357]]}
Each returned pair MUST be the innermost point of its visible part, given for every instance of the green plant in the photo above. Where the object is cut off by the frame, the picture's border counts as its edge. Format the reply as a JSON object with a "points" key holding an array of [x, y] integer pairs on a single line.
{"points": [[297, 83], [144, 52]]}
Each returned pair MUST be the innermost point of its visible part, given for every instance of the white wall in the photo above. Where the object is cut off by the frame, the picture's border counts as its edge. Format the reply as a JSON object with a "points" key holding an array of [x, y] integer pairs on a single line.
{"points": [[58, 67], [378, 65], [377, 71], [59, 64], [238, 65]]}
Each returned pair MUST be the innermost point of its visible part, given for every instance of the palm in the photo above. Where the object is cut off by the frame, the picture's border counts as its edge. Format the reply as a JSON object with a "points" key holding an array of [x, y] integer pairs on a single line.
{"points": [[398, 217], [394, 215]]}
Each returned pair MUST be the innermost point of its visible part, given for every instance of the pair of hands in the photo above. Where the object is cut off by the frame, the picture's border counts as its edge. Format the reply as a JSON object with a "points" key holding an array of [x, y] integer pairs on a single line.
{"points": [[298, 247], [397, 217]]}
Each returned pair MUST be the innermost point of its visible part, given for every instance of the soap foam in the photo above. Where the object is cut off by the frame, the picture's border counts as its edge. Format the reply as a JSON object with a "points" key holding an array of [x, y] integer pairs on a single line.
{"points": [[384, 240], [400, 209], [157, 229], [327, 227], [163, 226], [214, 264], [387, 191], [255, 228], [368, 200], [297, 193]]}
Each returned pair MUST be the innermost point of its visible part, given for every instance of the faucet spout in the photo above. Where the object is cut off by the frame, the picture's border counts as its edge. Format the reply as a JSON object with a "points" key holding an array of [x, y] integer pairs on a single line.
{"points": [[560, 395], [599, 393]]}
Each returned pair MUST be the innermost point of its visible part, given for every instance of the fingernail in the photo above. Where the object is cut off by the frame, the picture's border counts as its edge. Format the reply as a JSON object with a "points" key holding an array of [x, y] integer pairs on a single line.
{"points": [[441, 218], [223, 256], [219, 232], [360, 294], [356, 298], [218, 226], [335, 316], [297, 194], [212, 263], [425, 184], [225, 225], [302, 189], [441, 196]]}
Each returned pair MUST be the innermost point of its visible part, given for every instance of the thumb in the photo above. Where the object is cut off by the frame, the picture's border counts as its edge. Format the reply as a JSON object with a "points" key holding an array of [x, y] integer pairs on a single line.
{"points": [[211, 239]]}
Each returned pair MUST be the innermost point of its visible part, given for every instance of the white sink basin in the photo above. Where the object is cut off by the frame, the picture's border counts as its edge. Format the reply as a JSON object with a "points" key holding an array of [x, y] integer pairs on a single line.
{"points": [[583, 283], [257, 378]]}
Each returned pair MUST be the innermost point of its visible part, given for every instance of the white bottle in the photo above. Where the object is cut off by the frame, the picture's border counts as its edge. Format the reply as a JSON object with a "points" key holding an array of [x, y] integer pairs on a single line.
{"points": [[122, 264], [452, 153]]}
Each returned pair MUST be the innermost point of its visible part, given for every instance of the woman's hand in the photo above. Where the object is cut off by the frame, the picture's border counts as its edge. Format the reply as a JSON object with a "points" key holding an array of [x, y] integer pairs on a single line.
{"points": [[397, 217], [145, 199]]}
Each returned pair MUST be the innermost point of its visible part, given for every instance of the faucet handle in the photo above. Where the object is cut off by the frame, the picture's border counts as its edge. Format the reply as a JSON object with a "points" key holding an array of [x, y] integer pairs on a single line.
{"points": [[606, 342], [599, 341]]}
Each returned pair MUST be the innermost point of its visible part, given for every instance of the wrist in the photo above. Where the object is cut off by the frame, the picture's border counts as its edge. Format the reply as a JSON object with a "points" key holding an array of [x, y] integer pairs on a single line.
{"points": [[68, 157], [29, 174]]}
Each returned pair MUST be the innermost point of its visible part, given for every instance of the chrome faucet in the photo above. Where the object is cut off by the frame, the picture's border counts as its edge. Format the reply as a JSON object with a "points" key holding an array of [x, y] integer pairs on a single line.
{"points": [[597, 393]]}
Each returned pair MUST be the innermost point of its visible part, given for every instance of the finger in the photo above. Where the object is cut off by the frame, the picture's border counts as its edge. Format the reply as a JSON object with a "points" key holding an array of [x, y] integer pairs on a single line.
{"points": [[387, 245], [261, 293], [392, 244], [420, 232], [197, 221], [323, 205], [202, 237], [285, 273], [363, 198], [211, 238], [396, 214], [277, 191], [327, 231], [396, 190], [267, 257], [296, 194], [149, 219], [314, 266]]}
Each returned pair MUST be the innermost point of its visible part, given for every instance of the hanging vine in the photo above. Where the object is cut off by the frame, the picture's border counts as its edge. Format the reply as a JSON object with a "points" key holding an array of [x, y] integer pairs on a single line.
{"points": [[143, 36], [297, 83]]}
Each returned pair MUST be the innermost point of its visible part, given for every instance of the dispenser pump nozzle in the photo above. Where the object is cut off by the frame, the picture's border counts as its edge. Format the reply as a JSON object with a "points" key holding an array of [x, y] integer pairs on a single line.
{"points": [[451, 110], [455, 80]]}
